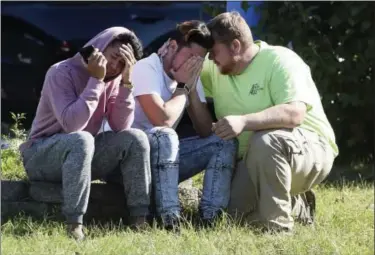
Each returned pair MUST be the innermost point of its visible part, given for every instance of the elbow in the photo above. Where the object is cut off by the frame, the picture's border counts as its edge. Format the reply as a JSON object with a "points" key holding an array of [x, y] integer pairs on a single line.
{"points": [[72, 125], [71, 128], [165, 123], [162, 120], [162, 123]]}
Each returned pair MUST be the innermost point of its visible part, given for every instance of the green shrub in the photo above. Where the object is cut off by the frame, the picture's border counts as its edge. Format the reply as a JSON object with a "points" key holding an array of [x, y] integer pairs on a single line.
{"points": [[11, 163]]}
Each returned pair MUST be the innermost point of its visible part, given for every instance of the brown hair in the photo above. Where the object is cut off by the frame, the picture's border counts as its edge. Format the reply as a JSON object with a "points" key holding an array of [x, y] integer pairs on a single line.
{"points": [[228, 26], [193, 31]]}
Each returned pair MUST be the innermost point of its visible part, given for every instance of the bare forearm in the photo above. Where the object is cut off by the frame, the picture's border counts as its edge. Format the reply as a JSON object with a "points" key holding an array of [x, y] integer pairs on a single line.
{"points": [[173, 109], [279, 116], [199, 115]]}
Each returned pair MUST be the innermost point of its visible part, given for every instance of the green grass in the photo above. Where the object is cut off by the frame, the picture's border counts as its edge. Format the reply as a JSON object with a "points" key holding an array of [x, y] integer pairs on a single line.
{"points": [[345, 225]]}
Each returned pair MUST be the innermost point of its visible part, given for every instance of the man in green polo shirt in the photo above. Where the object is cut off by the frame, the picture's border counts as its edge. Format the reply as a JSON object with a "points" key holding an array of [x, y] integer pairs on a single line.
{"points": [[265, 96]]}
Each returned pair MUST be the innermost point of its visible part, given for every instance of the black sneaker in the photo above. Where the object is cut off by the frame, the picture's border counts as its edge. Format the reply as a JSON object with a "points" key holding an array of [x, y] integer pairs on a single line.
{"points": [[171, 222], [211, 221], [139, 223]]}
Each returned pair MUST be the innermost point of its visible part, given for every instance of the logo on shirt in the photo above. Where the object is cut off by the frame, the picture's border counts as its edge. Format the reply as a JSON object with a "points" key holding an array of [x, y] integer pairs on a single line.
{"points": [[254, 89]]}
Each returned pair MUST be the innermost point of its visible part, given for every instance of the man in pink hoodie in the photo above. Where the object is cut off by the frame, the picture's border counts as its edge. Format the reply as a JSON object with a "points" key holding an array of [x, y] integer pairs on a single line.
{"points": [[64, 144]]}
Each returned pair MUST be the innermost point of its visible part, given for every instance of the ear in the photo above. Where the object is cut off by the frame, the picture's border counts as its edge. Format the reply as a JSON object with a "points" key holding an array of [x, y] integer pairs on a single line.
{"points": [[173, 46], [236, 46]]}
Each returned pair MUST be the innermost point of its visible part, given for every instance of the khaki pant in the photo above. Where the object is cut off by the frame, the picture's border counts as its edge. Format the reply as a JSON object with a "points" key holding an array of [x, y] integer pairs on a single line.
{"points": [[278, 165]]}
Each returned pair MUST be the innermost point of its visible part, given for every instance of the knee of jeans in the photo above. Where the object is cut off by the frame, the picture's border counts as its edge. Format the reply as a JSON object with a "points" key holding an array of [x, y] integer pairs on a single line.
{"points": [[161, 136], [165, 143], [82, 140], [230, 145], [139, 139]]}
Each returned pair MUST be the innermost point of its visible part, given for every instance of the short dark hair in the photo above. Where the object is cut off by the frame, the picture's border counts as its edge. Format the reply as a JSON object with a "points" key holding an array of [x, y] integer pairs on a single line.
{"points": [[133, 40], [193, 31], [228, 26]]}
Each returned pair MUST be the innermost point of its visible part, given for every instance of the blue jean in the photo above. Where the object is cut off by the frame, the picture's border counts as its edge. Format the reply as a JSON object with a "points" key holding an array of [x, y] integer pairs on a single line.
{"points": [[174, 160]]}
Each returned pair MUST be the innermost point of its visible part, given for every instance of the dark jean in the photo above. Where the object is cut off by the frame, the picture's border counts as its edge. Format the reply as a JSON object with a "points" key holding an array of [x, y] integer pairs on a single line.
{"points": [[174, 160]]}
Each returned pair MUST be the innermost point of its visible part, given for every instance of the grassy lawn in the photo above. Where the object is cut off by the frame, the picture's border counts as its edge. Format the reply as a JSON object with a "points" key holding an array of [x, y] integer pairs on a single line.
{"points": [[344, 225]]}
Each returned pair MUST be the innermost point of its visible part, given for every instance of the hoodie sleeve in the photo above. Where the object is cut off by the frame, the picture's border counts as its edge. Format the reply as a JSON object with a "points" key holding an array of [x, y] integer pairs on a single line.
{"points": [[120, 108], [72, 111]]}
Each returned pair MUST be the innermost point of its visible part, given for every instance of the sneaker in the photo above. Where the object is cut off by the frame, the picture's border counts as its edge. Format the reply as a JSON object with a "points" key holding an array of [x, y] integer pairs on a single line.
{"points": [[209, 222], [139, 223], [171, 222], [75, 231], [304, 207], [311, 203]]}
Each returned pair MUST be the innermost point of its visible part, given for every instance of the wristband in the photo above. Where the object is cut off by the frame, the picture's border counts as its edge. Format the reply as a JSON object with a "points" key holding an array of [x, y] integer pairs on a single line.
{"points": [[182, 85], [127, 85]]}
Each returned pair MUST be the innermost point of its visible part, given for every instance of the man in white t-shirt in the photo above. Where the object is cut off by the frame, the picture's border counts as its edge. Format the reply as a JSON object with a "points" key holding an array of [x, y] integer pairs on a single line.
{"points": [[164, 85]]}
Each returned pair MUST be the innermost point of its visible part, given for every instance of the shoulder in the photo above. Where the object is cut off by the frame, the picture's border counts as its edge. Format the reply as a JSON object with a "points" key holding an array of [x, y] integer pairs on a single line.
{"points": [[280, 56], [147, 76], [58, 73], [147, 65]]}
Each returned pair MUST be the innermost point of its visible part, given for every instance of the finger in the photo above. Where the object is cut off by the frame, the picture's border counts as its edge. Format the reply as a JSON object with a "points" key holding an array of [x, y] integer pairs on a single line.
{"points": [[173, 72], [129, 49], [200, 62], [195, 75], [219, 131], [221, 128], [221, 122], [100, 57], [224, 133], [93, 54], [126, 56], [198, 65], [228, 137], [189, 64], [130, 46], [213, 127], [126, 47], [197, 69], [132, 53], [127, 59], [193, 71], [95, 51], [102, 61], [95, 58]]}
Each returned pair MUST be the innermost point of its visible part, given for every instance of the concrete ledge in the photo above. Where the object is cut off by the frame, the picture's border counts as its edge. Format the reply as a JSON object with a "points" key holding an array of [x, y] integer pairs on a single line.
{"points": [[107, 201], [14, 190]]}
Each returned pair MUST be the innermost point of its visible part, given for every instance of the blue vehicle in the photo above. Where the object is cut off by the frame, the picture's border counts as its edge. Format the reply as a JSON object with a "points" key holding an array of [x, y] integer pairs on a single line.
{"points": [[39, 34]]}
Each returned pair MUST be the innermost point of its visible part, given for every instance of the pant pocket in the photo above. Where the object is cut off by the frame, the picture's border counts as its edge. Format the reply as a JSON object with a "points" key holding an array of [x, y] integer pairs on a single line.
{"points": [[320, 155]]}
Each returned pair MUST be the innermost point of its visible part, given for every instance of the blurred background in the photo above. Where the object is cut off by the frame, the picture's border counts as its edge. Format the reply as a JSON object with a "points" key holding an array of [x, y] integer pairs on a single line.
{"points": [[335, 38]]}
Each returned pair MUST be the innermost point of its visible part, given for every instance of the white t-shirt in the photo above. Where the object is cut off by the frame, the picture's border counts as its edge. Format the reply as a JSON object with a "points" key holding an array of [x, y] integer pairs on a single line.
{"points": [[148, 77]]}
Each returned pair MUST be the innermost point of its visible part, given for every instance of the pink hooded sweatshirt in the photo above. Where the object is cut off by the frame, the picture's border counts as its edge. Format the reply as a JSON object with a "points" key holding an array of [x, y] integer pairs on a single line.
{"points": [[71, 100]]}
